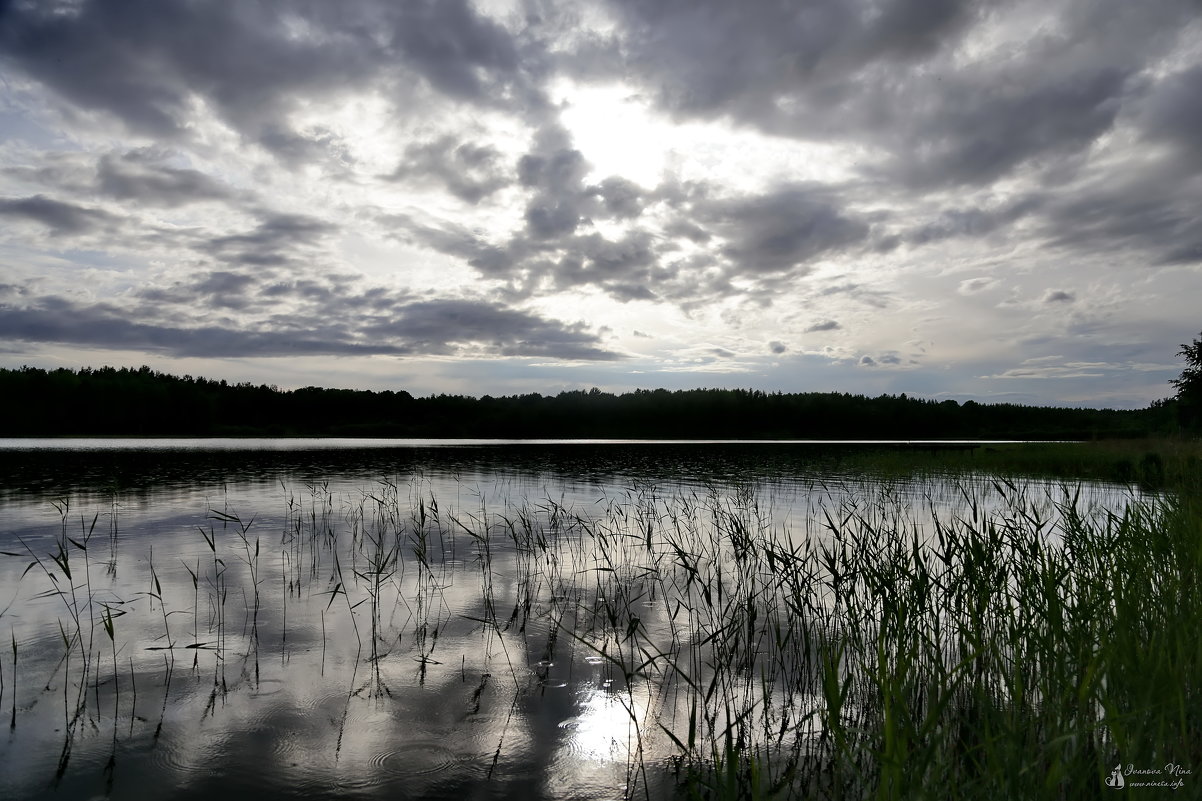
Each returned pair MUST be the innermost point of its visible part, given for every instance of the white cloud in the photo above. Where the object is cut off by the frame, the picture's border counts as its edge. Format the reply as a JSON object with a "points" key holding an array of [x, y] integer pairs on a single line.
{"points": [[954, 198]]}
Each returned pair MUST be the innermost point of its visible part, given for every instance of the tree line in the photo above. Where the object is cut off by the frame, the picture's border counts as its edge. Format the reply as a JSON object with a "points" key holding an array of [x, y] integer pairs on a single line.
{"points": [[125, 401]]}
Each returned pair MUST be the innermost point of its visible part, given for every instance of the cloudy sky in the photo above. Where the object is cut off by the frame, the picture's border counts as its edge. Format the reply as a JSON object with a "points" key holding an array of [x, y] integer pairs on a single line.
{"points": [[994, 200]]}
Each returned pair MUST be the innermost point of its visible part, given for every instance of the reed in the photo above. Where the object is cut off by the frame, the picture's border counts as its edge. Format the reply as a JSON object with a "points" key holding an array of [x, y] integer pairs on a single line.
{"points": [[13, 720], [1013, 644], [998, 652]]}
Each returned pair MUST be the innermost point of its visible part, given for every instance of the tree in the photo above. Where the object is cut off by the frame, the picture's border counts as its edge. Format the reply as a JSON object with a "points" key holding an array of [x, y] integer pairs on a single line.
{"points": [[1189, 385]]}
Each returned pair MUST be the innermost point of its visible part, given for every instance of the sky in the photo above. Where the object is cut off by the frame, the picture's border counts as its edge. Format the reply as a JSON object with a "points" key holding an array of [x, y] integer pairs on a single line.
{"points": [[999, 201]]}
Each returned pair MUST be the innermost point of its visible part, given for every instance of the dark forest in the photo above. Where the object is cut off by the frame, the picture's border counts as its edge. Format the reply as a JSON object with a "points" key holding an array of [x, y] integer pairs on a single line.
{"points": [[143, 402]]}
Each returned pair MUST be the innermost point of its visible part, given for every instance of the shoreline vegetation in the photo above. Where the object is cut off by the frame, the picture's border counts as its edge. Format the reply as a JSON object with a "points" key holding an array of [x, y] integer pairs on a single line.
{"points": [[1006, 650], [143, 402], [1158, 463]]}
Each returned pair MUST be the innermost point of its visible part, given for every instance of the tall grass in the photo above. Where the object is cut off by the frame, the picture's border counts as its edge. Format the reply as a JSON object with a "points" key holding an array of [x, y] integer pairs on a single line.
{"points": [[1010, 649], [1010, 654]]}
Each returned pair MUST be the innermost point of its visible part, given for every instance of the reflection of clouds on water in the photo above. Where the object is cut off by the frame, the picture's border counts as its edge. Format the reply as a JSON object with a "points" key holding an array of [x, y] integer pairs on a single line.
{"points": [[386, 647]]}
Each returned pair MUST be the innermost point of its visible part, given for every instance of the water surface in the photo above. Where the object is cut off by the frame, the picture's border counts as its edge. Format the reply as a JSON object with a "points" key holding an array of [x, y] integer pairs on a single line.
{"points": [[364, 619]]}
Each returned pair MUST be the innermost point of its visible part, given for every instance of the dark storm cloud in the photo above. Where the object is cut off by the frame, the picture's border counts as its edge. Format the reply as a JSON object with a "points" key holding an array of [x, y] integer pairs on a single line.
{"points": [[627, 268], [141, 176], [896, 74], [457, 50], [58, 216], [279, 230], [913, 28], [1153, 215], [977, 128], [162, 295], [766, 238], [425, 327], [435, 326], [259, 290], [224, 282], [624, 293], [561, 202], [783, 67], [939, 111], [56, 172], [782, 230], [222, 289], [469, 171], [106, 326], [331, 295], [144, 61], [315, 146], [140, 59], [492, 261], [147, 176], [1058, 296], [622, 198], [1188, 252], [712, 57], [548, 216], [1173, 114], [777, 347], [280, 297], [593, 259], [274, 241], [551, 249], [972, 222], [555, 170], [684, 229], [881, 71]]}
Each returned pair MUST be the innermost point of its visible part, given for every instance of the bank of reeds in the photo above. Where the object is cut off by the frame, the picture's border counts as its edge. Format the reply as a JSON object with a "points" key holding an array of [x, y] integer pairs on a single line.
{"points": [[1019, 651], [1014, 654]]}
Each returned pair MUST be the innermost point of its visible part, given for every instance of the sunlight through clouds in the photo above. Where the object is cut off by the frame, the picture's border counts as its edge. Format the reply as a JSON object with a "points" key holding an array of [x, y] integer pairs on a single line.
{"points": [[998, 184]]}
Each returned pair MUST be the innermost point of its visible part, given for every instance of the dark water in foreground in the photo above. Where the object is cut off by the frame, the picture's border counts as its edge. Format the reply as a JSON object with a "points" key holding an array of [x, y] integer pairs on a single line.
{"points": [[361, 620]]}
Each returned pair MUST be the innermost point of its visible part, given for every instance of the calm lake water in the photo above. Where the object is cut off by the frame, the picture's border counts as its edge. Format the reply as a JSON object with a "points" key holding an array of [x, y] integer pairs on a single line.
{"points": [[371, 619]]}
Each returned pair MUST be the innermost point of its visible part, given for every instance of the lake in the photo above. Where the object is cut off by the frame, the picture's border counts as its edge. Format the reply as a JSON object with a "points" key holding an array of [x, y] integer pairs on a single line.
{"points": [[433, 619]]}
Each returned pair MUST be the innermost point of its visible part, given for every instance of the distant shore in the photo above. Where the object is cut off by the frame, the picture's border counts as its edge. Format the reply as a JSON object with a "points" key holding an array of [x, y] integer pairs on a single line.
{"points": [[141, 403]]}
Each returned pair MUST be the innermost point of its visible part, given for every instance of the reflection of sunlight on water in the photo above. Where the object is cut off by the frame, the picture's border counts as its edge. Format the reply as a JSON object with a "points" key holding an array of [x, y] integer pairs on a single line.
{"points": [[604, 730], [598, 750]]}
